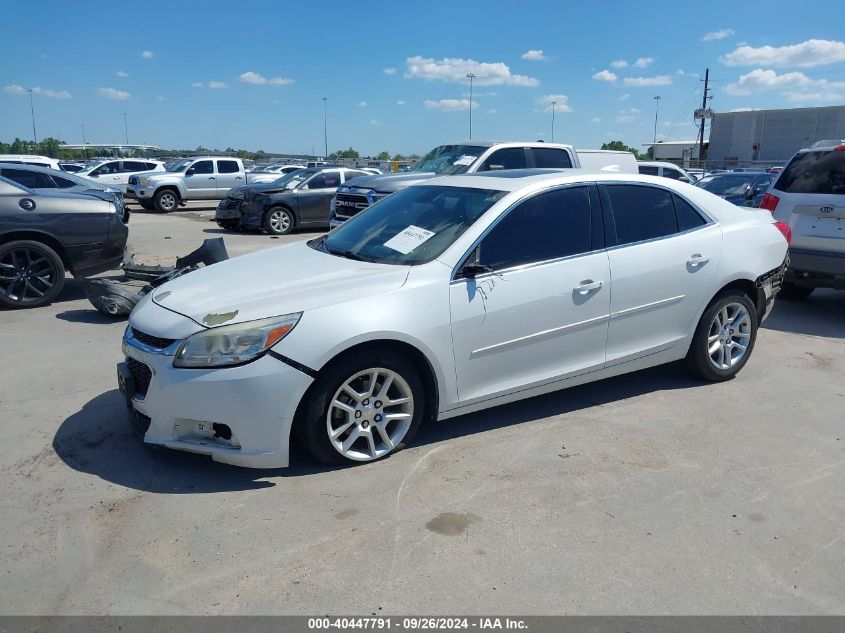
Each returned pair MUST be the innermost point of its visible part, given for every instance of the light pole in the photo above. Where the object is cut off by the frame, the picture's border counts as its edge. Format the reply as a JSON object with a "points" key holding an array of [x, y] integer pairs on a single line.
{"points": [[554, 103], [325, 128], [656, 110], [470, 76], [32, 110], [125, 128]]}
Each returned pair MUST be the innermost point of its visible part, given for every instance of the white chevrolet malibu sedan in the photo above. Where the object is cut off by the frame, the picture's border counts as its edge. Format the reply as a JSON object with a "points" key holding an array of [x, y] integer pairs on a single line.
{"points": [[450, 296]]}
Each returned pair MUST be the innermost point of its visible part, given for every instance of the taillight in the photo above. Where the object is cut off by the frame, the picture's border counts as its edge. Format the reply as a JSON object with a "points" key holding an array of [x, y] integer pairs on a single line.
{"points": [[769, 202], [786, 230]]}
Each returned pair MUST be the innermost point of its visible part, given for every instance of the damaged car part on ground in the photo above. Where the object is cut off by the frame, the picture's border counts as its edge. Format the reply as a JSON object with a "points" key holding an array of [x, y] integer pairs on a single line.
{"points": [[450, 296], [117, 298]]}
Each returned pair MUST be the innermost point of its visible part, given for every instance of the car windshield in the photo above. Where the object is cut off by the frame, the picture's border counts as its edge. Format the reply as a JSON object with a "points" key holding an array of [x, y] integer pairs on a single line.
{"points": [[177, 165], [412, 226], [814, 172], [292, 179], [450, 159], [725, 185]]}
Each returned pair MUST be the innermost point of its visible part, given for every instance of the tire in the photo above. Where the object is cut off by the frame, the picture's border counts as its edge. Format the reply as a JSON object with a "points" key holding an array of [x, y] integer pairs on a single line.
{"points": [[228, 225], [31, 274], [791, 292], [147, 205], [353, 417], [716, 352], [278, 221], [166, 200]]}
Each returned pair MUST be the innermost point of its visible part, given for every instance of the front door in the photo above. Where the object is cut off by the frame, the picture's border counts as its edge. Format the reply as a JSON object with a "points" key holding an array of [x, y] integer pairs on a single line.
{"points": [[541, 313], [201, 180], [663, 266], [314, 197]]}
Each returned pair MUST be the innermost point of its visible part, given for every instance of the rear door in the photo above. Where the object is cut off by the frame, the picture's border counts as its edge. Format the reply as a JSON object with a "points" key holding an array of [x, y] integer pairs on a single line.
{"points": [[811, 199], [229, 175], [662, 263], [314, 197], [201, 180]]}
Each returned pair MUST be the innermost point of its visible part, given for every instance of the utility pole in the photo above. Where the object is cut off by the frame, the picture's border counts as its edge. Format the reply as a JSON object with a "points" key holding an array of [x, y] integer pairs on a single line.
{"points": [[83, 136], [656, 110], [703, 117], [32, 110], [470, 76], [325, 128], [554, 103], [125, 128]]}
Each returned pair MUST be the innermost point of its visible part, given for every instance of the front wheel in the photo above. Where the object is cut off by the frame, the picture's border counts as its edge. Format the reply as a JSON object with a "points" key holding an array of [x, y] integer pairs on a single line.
{"points": [[31, 274], [278, 221], [724, 338], [363, 408], [165, 200]]}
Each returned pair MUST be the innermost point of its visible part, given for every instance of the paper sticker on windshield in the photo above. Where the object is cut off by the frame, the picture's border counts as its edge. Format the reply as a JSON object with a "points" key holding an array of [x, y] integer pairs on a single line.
{"points": [[408, 240], [465, 160]]}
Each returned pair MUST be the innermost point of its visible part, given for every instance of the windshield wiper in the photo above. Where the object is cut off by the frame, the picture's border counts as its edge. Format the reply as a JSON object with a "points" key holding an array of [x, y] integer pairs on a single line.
{"points": [[347, 254]]}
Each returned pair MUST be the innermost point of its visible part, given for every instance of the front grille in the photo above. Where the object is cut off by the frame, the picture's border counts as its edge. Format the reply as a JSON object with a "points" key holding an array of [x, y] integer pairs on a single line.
{"points": [[228, 203], [141, 374], [349, 204], [152, 341]]}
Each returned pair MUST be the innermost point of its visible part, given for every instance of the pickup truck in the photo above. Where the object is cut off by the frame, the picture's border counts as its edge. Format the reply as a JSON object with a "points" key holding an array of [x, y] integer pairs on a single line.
{"points": [[194, 178], [470, 157]]}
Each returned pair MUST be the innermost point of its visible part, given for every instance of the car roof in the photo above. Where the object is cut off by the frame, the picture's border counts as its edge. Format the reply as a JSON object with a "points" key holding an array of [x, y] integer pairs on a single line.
{"points": [[36, 168], [658, 163], [516, 179]]}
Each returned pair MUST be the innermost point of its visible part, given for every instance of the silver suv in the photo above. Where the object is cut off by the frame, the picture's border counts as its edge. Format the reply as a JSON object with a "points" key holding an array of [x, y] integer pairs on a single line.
{"points": [[809, 196]]}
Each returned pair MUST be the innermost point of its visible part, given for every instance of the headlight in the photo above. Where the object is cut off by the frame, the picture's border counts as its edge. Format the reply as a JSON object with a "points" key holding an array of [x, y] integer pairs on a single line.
{"points": [[233, 344], [144, 180], [333, 205]]}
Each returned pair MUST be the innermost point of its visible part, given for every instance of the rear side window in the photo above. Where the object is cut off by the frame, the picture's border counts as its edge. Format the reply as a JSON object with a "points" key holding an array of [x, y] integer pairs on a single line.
{"points": [[814, 172], [63, 183], [349, 175], [641, 213], [551, 158], [688, 217], [648, 170], [674, 174], [133, 165], [31, 179], [548, 226], [508, 158], [227, 167]]}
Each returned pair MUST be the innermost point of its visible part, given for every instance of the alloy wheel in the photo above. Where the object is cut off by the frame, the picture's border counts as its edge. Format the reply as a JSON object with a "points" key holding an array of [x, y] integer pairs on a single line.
{"points": [[370, 414], [279, 221], [729, 336], [26, 275], [167, 201]]}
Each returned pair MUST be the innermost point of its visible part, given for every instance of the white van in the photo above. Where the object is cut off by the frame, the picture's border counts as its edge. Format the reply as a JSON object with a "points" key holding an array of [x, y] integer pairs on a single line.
{"points": [[607, 160], [29, 159], [667, 170]]}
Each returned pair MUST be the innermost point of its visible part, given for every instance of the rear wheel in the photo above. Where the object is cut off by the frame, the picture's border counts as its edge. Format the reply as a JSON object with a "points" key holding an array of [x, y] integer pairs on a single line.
{"points": [[31, 274], [724, 338], [278, 221], [165, 200], [791, 292]]}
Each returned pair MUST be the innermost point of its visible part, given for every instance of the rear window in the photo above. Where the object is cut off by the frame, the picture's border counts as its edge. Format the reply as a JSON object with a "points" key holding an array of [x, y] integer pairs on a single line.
{"points": [[814, 172]]}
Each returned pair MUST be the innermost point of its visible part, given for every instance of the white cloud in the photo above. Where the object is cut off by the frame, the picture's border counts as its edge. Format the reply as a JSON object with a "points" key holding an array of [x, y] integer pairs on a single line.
{"points": [[717, 35], [619, 63], [122, 73], [362, 104], [449, 105], [400, 102], [197, 84], [259, 80], [534, 55], [815, 97], [491, 111], [680, 72], [641, 82], [804, 55], [374, 122], [743, 110], [455, 70], [217, 85], [605, 75], [46, 92], [479, 94], [634, 110], [114, 94], [159, 98], [389, 71], [624, 96], [147, 54], [44, 55], [643, 62], [799, 87], [595, 119], [561, 103], [625, 118]]}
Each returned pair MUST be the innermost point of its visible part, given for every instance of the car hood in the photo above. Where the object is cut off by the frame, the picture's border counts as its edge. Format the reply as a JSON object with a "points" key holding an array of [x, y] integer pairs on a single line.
{"points": [[272, 282], [260, 187], [388, 183]]}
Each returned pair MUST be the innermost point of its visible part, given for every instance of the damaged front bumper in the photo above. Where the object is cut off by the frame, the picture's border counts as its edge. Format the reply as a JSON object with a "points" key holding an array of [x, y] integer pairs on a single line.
{"points": [[237, 415]]}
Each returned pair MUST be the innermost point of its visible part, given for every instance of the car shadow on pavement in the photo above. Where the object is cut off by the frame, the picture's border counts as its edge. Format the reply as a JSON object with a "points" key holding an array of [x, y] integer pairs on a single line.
{"points": [[821, 314], [100, 441]]}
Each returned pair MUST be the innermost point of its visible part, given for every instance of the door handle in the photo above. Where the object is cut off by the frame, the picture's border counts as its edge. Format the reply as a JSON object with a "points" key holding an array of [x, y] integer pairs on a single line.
{"points": [[211, 177], [587, 286], [697, 260], [238, 178]]}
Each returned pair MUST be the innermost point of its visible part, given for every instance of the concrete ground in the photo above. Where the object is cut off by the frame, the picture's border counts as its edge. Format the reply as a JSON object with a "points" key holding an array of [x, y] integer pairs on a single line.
{"points": [[650, 493]]}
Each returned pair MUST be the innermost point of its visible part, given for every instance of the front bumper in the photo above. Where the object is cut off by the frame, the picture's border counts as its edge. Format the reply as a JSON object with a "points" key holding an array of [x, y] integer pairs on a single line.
{"points": [[335, 222], [195, 409], [139, 192], [816, 269]]}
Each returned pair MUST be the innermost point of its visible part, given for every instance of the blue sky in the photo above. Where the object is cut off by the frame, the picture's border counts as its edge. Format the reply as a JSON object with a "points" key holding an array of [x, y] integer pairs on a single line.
{"points": [[252, 74]]}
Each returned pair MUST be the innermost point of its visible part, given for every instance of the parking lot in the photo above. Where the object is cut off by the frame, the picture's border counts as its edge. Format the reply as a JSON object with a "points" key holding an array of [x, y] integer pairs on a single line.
{"points": [[650, 493]]}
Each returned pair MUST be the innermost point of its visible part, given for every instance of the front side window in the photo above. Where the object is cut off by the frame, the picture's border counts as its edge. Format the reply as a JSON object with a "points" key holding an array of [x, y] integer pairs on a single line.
{"points": [[547, 226], [508, 158], [550, 158], [177, 166], [814, 172], [448, 160], [641, 213], [326, 180], [203, 167], [409, 227], [107, 168], [227, 167]]}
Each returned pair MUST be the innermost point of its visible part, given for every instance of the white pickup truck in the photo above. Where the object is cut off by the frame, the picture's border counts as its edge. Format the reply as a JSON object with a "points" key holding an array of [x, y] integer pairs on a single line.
{"points": [[194, 178]]}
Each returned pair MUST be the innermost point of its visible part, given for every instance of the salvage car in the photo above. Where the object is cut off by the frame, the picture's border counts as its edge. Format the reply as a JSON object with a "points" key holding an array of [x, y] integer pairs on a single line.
{"points": [[299, 199], [45, 233], [744, 189], [453, 295]]}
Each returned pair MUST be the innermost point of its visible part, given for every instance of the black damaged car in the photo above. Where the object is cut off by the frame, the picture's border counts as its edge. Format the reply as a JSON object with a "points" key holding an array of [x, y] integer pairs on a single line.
{"points": [[299, 199]]}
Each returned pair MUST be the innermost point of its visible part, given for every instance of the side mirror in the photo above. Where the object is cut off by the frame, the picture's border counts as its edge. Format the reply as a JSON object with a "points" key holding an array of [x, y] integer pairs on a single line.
{"points": [[190, 172], [471, 270]]}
